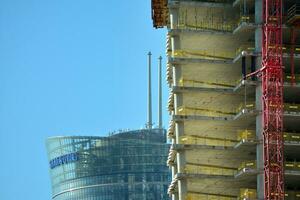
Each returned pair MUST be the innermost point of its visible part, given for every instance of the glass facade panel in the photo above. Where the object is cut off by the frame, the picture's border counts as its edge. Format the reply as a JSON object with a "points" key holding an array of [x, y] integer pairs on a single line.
{"points": [[125, 166]]}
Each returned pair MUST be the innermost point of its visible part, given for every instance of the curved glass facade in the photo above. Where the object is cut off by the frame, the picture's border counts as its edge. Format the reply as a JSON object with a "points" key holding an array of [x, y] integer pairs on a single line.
{"points": [[125, 166]]}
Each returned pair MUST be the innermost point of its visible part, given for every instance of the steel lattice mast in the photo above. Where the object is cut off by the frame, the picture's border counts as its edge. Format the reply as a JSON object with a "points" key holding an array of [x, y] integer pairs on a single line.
{"points": [[272, 100]]}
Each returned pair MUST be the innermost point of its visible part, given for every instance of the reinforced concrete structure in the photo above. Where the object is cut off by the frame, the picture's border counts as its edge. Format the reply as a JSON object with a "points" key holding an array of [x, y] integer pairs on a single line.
{"points": [[124, 166], [217, 125]]}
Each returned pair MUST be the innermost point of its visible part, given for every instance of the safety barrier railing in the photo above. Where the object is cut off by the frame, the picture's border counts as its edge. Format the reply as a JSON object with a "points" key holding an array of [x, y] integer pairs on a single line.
{"points": [[249, 194], [287, 49], [246, 135], [198, 83], [209, 141], [288, 107], [293, 195], [291, 107], [212, 54], [288, 78], [291, 137], [245, 105], [251, 136], [293, 14], [184, 110], [248, 165], [209, 170], [216, 54], [198, 196], [204, 25], [204, 54], [249, 106], [203, 169], [248, 48], [294, 166], [246, 19], [215, 1], [191, 20]]}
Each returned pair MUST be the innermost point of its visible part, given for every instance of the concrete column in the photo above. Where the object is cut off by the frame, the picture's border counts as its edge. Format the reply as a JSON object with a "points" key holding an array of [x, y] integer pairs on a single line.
{"points": [[174, 172], [174, 17], [179, 131], [175, 40], [259, 147], [175, 197], [179, 126], [244, 70], [181, 162], [175, 43]]}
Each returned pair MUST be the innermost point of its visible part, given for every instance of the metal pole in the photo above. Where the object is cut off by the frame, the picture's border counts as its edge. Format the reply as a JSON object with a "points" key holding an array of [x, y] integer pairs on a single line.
{"points": [[149, 125], [159, 95]]}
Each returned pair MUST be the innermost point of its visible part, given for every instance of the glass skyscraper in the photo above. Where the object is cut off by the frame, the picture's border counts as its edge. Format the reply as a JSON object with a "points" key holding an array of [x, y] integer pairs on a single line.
{"points": [[125, 166]]}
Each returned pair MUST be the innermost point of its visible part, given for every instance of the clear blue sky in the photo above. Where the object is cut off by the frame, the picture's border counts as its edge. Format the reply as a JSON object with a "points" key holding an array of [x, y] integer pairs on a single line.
{"points": [[69, 67]]}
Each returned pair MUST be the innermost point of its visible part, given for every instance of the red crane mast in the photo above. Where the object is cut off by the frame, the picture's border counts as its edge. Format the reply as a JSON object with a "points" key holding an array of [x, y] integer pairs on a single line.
{"points": [[272, 100]]}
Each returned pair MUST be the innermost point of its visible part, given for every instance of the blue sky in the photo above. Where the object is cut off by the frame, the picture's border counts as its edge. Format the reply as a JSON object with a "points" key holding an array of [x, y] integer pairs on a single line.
{"points": [[69, 67]]}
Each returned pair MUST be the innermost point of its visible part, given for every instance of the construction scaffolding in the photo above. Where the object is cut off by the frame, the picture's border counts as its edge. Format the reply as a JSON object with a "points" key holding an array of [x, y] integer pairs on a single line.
{"points": [[159, 13]]}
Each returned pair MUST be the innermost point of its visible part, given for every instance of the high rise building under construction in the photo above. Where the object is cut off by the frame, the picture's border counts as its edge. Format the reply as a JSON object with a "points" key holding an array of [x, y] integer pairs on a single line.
{"points": [[234, 78]]}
